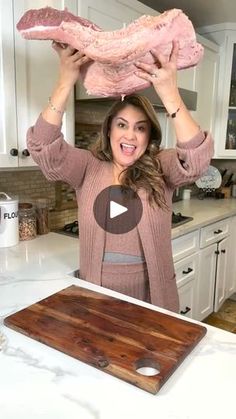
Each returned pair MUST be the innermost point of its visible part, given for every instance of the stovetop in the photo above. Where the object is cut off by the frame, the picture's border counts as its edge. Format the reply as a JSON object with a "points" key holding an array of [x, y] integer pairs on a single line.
{"points": [[178, 219], [72, 229]]}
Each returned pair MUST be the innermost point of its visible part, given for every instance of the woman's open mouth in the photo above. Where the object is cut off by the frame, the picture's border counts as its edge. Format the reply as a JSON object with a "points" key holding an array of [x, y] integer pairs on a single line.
{"points": [[128, 149]]}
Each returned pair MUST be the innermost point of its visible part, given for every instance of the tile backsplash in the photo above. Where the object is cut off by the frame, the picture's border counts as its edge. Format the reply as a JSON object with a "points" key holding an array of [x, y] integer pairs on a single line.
{"points": [[29, 185]]}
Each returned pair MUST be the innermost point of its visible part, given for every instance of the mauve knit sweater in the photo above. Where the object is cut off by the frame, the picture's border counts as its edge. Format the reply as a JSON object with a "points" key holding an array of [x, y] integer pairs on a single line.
{"points": [[89, 176]]}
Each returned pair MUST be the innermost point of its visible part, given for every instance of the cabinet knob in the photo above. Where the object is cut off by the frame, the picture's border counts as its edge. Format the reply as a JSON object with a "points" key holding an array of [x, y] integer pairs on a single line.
{"points": [[187, 309], [217, 252], [218, 231], [25, 152], [14, 152], [188, 271], [223, 251]]}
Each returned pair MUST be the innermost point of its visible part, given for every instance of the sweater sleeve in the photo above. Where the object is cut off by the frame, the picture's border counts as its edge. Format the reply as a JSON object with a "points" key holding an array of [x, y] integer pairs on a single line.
{"points": [[188, 161], [57, 159]]}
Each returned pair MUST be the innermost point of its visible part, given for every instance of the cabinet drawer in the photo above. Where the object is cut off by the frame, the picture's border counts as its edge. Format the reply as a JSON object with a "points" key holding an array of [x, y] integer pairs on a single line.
{"points": [[214, 232], [185, 245], [186, 269], [186, 300]]}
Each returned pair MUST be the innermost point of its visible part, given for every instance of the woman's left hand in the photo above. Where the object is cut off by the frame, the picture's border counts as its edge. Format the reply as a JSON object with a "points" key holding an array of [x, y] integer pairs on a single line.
{"points": [[163, 76]]}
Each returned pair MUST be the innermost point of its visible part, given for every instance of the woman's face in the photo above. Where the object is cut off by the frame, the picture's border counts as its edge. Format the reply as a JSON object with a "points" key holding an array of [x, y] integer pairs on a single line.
{"points": [[129, 136]]}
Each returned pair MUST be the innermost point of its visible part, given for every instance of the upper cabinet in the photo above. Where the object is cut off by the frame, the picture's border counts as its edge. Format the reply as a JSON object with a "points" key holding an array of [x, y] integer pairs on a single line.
{"points": [[112, 15], [225, 122], [203, 79], [226, 146], [28, 72], [8, 127]]}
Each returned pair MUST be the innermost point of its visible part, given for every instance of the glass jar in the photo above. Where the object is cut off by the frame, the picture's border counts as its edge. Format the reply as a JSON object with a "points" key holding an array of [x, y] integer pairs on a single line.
{"points": [[42, 216], [27, 221]]}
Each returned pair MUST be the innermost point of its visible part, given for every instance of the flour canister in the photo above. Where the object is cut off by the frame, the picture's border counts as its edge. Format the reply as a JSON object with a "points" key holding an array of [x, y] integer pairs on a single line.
{"points": [[9, 230]]}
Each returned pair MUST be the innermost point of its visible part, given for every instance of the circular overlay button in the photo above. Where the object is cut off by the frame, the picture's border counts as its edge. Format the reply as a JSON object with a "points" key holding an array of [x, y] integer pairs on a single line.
{"points": [[117, 209]]}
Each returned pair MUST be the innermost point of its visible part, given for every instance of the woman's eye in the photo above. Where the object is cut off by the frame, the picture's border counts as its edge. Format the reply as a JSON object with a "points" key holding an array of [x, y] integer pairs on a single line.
{"points": [[142, 129], [121, 124]]}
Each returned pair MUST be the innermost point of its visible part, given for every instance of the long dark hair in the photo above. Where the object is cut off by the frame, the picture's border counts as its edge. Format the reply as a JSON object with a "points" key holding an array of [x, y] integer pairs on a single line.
{"points": [[145, 172]]}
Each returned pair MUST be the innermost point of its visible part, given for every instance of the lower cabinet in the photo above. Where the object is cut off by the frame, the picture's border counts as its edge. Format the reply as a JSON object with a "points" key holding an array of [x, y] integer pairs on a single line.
{"points": [[186, 300], [205, 266], [206, 282], [186, 271], [186, 263]]}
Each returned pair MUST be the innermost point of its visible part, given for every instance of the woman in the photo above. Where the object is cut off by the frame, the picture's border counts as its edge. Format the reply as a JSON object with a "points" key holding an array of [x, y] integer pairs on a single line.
{"points": [[139, 262]]}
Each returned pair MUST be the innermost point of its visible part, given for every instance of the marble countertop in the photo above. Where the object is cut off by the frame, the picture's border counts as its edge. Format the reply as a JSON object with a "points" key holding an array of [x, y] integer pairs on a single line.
{"points": [[204, 212], [39, 382]]}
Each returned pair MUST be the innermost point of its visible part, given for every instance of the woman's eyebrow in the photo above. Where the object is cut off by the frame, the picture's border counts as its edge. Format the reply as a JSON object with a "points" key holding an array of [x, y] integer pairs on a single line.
{"points": [[138, 122]]}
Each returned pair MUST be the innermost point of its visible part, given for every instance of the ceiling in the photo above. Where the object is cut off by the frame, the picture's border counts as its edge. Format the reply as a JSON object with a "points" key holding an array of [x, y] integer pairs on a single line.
{"points": [[200, 12]]}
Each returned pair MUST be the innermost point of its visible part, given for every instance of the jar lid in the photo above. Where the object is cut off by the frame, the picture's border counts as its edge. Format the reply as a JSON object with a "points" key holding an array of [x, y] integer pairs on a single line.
{"points": [[25, 206], [6, 199]]}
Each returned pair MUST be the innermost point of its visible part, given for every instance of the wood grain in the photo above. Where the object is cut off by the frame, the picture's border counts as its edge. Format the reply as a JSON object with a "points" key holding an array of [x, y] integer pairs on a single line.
{"points": [[110, 334]]}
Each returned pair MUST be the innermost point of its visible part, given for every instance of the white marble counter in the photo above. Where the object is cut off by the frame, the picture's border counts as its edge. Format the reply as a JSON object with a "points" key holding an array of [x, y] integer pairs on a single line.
{"points": [[39, 382]]}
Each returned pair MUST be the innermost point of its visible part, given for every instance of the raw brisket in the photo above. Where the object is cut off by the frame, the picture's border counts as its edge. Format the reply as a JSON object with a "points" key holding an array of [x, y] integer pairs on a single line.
{"points": [[115, 52]]}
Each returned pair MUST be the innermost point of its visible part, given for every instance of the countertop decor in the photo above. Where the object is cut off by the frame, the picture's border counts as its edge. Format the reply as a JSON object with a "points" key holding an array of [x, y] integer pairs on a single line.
{"points": [[42, 383]]}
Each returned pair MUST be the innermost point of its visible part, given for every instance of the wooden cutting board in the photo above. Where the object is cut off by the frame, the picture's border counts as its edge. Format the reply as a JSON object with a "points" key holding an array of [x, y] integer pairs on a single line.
{"points": [[110, 334]]}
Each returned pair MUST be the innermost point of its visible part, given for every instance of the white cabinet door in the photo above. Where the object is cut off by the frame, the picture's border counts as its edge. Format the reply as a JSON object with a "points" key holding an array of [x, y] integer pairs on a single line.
{"points": [[206, 82], [187, 270], [206, 282], [110, 16], [225, 122], [187, 300], [202, 79], [222, 270], [36, 67], [231, 271], [8, 128], [114, 14]]}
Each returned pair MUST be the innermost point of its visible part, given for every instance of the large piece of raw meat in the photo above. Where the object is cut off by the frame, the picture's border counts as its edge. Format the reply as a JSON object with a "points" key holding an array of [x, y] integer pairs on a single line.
{"points": [[115, 52]]}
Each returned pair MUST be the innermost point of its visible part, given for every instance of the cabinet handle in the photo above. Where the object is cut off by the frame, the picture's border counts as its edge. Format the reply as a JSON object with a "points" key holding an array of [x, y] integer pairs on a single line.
{"points": [[187, 309], [218, 231], [217, 252], [14, 152], [223, 251], [188, 271], [25, 152]]}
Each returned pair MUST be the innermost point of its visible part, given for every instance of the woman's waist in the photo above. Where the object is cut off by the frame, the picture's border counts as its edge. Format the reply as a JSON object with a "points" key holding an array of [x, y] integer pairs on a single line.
{"points": [[122, 258]]}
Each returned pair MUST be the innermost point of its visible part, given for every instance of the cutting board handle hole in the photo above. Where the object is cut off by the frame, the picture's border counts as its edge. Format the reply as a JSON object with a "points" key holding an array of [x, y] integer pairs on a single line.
{"points": [[147, 366]]}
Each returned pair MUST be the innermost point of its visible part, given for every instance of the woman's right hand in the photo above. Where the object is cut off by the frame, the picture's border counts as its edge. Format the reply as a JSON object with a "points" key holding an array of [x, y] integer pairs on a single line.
{"points": [[69, 71], [70, 62]]}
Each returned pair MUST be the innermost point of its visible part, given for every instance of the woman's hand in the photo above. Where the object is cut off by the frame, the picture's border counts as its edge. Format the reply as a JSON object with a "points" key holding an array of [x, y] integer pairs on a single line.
{"points": [[70, 62], [163, 76], [69, 71]]}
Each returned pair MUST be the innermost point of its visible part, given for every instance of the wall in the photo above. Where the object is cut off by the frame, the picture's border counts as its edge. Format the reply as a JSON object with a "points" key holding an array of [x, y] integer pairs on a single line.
{"points": [[29, 185]]}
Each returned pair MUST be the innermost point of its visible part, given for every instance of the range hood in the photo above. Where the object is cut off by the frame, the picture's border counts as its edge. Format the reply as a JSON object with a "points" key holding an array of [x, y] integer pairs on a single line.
{"points": [[189, 98]]}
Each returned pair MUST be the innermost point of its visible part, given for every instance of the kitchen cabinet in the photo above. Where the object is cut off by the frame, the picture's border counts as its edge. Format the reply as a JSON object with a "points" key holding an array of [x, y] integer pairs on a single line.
{"points": [[186, 264], [8, 127], [28, 73], [206, 282], [111, 15], [225, 124], [205, 263], [114, 14], [186, 271], [214, 268], [231, 274], [203, 79]]}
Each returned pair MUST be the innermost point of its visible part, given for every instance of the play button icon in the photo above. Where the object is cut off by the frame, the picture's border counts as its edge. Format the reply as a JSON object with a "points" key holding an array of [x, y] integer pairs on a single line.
{"points": [[117, 209]]}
